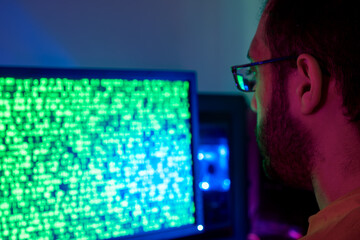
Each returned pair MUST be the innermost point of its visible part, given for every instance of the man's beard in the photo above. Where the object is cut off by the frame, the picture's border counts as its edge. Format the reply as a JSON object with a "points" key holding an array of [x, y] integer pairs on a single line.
{"points": [[286, 145]]}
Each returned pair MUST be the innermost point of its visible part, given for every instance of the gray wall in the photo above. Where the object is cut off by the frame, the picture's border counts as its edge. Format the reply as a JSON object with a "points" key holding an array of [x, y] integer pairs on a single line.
{"points": [[207, 36]]}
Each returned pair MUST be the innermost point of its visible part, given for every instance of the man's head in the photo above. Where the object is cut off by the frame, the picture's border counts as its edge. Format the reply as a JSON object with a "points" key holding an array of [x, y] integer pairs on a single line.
{"points": [[313, 31], [329, 30]]}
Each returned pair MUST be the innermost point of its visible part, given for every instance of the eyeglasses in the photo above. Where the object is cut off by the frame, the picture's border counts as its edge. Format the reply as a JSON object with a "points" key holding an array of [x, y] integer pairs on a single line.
{"points": [[245, 75]]}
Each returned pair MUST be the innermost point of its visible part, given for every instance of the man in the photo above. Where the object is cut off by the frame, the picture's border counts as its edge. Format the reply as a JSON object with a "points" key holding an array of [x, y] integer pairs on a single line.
{"points": [[307, 100]]}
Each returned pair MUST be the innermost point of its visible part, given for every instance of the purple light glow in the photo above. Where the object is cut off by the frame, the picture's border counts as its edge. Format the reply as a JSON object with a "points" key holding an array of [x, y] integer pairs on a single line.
{"points": [[252, 236], [294, 234]]}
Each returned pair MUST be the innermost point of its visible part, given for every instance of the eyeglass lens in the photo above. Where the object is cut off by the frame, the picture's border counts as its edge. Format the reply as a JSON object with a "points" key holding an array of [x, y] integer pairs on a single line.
{"points": [[245, 79]]}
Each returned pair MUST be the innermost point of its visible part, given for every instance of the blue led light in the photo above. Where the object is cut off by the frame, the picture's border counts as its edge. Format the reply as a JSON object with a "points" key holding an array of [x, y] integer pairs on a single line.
{"points": [[204, 185], [223, 150], [226, 184], [214, 164], [210, 156]]}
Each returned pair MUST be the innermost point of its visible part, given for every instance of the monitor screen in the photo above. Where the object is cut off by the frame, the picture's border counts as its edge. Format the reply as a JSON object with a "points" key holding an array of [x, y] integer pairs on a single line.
{"points": [[98, 154]]}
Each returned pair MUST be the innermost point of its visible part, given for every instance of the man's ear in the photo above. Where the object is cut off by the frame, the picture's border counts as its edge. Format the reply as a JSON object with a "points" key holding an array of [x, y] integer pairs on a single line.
{"points": [[309, 87]]}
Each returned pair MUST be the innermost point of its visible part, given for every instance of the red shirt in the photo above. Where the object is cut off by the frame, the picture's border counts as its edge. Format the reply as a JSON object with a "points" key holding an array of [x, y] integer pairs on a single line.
{"points": [[338, 221]]}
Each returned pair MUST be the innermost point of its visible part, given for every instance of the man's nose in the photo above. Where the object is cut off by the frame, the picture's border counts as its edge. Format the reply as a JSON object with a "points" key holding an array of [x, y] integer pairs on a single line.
{"points": [[253, 104]]}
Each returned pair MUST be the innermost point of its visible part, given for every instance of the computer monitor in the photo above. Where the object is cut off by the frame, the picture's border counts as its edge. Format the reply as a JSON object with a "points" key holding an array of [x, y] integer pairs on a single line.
{"points": [[98, 154]]}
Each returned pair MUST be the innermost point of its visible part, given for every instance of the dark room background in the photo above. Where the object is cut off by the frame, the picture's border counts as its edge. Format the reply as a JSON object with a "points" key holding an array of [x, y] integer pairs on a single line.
{"points": [[205, 36]]}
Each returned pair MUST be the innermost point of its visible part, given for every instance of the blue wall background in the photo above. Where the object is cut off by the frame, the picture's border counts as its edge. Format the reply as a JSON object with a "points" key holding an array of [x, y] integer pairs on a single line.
{"points": [[207, 36]]}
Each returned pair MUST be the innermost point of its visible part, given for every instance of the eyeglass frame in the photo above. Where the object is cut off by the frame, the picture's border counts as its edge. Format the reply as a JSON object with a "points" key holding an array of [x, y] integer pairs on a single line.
{"points": [[234, 69]]}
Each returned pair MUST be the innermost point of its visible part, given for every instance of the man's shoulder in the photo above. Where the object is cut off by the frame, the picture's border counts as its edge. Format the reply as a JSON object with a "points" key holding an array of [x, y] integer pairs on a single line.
{"points": [[350, 220], [345, 228]]}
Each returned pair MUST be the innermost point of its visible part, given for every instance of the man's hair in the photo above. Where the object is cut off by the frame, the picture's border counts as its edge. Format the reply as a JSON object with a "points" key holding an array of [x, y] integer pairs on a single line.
{"points": [[329, 30]]}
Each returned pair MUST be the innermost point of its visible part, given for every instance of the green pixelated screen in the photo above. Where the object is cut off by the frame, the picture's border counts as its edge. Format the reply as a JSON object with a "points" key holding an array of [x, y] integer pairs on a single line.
{"points": [[94, 158]]}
